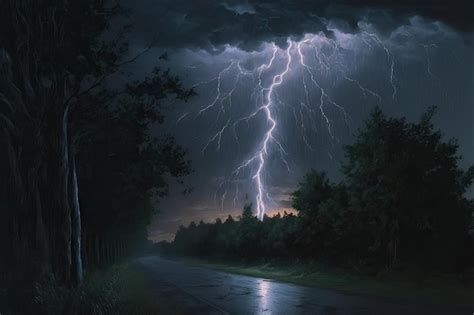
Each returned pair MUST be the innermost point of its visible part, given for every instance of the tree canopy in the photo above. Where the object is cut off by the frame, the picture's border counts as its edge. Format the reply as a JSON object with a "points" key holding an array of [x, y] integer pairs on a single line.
{"points": [[80, 169], [401, 203]]}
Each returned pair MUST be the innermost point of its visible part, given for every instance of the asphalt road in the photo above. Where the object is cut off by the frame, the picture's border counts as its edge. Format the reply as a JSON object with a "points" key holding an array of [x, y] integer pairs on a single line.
{"points": [[206, 291]]}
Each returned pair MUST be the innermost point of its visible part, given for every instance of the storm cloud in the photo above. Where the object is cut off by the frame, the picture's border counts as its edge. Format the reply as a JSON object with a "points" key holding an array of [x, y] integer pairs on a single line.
{"points": [[211, 24], [402, 57]]}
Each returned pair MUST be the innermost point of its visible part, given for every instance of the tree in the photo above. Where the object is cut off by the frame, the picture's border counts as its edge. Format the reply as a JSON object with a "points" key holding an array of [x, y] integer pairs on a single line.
{"points": [[48, 51], [247, 213], [405, 183], [55, 70], [312, 192], [124, 166], [401, 203], [248, 239]]}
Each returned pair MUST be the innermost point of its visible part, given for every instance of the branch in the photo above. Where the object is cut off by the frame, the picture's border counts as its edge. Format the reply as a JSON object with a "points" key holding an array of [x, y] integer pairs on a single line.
{"points": [[5, 101], [7, 123], [144, 51], [78, 93], [103, 77]]}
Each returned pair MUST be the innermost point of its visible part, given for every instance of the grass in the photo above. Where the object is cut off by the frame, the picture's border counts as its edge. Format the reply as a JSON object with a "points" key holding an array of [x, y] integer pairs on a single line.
{"points": [[434, 288], [121, 289]]}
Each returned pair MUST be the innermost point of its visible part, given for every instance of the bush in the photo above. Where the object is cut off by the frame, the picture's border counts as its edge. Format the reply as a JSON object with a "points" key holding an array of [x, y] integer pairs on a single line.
{"points": [[120, 289]]}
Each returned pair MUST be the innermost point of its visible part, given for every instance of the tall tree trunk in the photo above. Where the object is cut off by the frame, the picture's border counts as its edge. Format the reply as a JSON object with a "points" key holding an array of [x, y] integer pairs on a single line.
{"points": [[77, 272], [97, 250], [15, 189], [107, 248], [103, 257], [42, 244], [63, 239]]}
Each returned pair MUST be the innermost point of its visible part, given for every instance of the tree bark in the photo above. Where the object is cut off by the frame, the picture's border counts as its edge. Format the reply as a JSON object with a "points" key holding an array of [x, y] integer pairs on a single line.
{"points": [[97, 259], [42, 244], [77, 271], [63, 253]]}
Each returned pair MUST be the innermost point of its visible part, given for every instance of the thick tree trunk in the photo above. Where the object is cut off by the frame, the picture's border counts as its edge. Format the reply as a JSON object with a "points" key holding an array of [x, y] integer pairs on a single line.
{"points": [[77, 272], [42, 244], [63, 239], [15, 189], [14, 170]]}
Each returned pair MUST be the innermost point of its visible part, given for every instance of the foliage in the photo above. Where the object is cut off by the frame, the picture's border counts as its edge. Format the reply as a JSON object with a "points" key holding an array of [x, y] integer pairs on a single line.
{"points": [[121, 289], [404, 183], [124, 168], [247, 238], [401, 204], [84, 160]]}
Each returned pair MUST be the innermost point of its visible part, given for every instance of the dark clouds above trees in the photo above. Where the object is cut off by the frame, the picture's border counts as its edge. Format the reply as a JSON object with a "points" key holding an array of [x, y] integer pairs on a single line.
{"points": [[428, 42], [210, 24]]}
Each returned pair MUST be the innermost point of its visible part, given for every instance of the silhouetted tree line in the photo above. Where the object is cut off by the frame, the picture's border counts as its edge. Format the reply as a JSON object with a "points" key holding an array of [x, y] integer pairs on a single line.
{"points": [[400, 203], [79, 171]]}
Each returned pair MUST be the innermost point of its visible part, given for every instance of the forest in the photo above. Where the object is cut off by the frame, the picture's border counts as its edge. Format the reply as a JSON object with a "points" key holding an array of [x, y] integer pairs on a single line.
{"points": [[80, 173], [402, 203], [85, 162]]}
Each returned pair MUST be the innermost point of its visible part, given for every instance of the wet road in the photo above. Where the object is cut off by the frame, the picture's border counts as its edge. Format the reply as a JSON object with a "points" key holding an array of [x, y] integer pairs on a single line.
{"points": [[208, 291]]}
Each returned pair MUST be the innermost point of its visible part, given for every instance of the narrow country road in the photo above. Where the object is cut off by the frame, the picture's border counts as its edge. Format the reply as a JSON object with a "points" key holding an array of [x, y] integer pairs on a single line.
{"points": [[208, 291]]}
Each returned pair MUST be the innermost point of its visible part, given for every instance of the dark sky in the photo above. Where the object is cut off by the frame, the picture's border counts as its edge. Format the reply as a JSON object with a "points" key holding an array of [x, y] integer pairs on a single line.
{"points": [[336, 61]]}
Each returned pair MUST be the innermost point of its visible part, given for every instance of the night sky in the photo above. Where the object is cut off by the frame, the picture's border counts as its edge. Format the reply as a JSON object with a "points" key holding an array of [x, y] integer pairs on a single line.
{"points": [[294, 80]]}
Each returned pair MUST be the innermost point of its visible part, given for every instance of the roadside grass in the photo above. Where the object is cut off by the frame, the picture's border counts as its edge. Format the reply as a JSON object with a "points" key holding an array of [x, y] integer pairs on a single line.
{"points": [[121, 289], [411, 286]]}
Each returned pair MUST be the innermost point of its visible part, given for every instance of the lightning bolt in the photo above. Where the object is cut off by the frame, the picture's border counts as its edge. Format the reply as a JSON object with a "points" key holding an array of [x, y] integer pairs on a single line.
{"points": [[390, 58], [263, 152], [218, 92], [313, 63], [261, 155], [217, 136]]}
